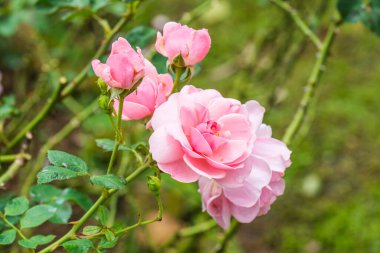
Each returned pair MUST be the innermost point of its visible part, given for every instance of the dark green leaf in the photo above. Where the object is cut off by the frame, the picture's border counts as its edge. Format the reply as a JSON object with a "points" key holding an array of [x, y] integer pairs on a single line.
{"points": [[105, 244], [36, 240], [7, 237], [71, 162], [91, 230], [372, 20], [103, 215], [37, 215], [78, 246], [16, 206], [350, 10], [44, 193], [7, 107], [108, 181], [159, 62], [63, 213], [52, 173], [108, 144], [141, 36], [78, 197]]}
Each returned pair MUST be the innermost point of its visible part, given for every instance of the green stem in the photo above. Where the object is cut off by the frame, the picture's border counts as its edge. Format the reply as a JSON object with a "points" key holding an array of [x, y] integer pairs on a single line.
{"points": [[37, 119], [104, 197], [299, 22], [178, 73], [118, 137], [10, 158], [312, 83], [221, 247], [11, 171], [54, 140], [12, 226], [197, 229]]}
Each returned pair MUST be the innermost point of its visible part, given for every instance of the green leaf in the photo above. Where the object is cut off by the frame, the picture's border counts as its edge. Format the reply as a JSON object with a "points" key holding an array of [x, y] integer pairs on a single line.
{"points": [[7, 237], [141, 36], [37, 215], [108, 144], [7, 107], [63, 213], [159, 62], [44, 193], [16, 206], [105, 244], [108, 181], [110, 236], [371, 19], [36, 240], [78, 197], [91, 230], [350, 10], [103, 215], [78, 246], [52, 173], [71, 162]]}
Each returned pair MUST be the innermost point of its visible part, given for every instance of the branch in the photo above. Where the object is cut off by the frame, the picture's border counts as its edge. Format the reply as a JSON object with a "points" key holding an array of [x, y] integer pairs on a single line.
{"points": [[312, 83], [299, 22]]}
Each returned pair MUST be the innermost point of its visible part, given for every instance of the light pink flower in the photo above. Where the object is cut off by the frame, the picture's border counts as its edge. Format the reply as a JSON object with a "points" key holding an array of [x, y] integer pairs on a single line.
{"points": [[200, 133], [259, 190], [178, 39], [124, 66], [152, 92]]}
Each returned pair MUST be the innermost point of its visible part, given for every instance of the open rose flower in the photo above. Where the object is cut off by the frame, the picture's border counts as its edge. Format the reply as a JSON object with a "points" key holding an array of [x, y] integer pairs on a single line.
{"points": [[152, 92], [259, 190], [123, 68], [179, 39], [200, 133]]}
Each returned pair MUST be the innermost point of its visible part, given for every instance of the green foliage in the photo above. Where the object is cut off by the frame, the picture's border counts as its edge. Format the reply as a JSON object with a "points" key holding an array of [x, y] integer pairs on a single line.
{"points": [[91, 230], [16, 206], [66, 166], [103, 214], [36, 240], [106, 244], [63, 213], [108, 144], [110, 236], [78, 246], [37, 215], [71, 162], [367, 12], [44, 193], [108, 181], [78, 197], [7, 237]]}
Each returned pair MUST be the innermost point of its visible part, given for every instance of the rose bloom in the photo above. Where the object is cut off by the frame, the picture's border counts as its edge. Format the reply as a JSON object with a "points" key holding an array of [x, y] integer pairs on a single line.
{"points": [[179, 39], [200, 133], [259, 190], [151, 92], [123, 68]]}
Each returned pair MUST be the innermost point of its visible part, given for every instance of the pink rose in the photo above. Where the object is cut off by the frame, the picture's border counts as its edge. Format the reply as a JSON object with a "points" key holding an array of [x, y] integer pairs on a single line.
{"points": [[260, 189], [152, 92], [123, 68], [200, 133], [178, 39]]}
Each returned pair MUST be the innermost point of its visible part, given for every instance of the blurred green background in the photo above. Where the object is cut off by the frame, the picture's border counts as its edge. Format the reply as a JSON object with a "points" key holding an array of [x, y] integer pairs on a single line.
{"points": [[332, 197]]}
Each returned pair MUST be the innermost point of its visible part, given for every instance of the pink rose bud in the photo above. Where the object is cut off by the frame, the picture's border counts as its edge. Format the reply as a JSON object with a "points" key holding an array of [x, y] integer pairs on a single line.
{"points": [[192, 45], [205, 134], [270, 158], [152, 92], [123, 68]]}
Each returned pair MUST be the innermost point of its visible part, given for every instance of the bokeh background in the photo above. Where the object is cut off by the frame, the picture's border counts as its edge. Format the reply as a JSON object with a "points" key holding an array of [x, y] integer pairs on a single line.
{"points": [[332, 197]]}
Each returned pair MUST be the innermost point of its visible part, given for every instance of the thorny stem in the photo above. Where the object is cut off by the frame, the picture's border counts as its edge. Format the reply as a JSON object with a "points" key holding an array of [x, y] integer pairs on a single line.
{"points": [[12, 226], [103, 198], [312, 83], [299, 22], [37, 119]]}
